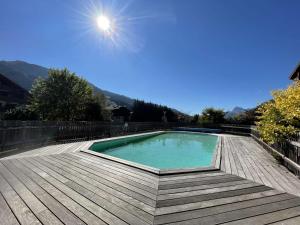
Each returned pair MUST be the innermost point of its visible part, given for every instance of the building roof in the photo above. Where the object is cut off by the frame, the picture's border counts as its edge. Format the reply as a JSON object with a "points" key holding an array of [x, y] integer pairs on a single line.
{"points": [[295, 75]]}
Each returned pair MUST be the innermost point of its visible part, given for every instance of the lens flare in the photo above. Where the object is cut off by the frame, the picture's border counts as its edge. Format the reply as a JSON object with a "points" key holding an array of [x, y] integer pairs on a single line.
{"points": [[104, 23], [114, 24]]}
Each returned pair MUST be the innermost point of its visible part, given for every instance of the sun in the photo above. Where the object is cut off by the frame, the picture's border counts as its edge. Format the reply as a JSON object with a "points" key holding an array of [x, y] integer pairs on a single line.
{"points": [[104, 23]]}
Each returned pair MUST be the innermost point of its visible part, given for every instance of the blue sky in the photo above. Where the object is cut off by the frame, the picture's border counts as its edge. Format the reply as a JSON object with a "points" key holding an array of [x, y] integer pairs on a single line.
{"points": [[185, 54]]}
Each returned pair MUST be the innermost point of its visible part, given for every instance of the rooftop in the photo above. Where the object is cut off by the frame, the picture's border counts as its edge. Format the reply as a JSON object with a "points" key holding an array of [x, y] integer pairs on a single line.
{"points": [[296, 73]]}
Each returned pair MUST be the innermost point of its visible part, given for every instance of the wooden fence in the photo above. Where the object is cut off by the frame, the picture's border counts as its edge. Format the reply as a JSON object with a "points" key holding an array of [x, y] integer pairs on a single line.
{"points": [[289, 148], [27, 134]]}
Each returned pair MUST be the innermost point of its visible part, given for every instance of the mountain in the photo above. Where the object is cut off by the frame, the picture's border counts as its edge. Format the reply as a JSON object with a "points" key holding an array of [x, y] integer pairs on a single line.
{"points": [[236, 111], [23, 74]]}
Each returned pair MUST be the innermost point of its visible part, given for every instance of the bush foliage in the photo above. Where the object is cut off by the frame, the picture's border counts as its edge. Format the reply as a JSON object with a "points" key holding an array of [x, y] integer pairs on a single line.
{"points": [[280, 118]]}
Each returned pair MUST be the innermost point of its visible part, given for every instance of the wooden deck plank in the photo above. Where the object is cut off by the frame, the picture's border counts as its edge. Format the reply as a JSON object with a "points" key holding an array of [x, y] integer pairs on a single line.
{"points": [[213, 202], [91, 210], [117, 206], [226, 156], [151, 181], [236, 151], [189, 177], [258, 165], [17, 205], [6, 215], [39, 210], [290, 221], [116, 174], [144, 175], [103, 189], [205, 197], [215, 210], [256, 213], [273, 179], [61, 212], [236, 160], [97, 183], [206, 191], [44, 180], [204, 180], [269, 217], [202, 187], [128, 190], [118, 180]]}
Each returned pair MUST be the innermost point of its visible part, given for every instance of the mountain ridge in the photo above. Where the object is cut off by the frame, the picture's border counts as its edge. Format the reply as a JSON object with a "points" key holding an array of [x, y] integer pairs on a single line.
{"points": [[24, 74]]}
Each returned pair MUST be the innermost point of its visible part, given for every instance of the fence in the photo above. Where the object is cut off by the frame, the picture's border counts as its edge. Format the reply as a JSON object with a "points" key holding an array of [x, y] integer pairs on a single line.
{"points": [[26, 134], [288, 148]]}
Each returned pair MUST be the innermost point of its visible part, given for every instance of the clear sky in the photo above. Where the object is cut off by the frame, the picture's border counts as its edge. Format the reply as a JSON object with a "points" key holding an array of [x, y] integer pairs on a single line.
{"points": [[185, 54]]}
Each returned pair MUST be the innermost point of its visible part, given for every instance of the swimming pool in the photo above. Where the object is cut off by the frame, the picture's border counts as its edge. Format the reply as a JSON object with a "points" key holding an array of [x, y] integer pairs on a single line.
{"points": [[164, 150]]}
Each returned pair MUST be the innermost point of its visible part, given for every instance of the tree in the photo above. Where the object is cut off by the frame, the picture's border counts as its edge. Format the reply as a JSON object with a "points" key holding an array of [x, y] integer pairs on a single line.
{"points": [[280, 118], [144, 111], [212, 116], [195, 119], [246, 118], [101, 100], [20, 113], [121, 112], [64, 96]]}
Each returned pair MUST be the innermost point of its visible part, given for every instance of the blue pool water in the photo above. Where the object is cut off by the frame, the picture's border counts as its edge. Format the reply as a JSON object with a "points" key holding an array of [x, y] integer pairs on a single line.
{"points": [[165, 151]]}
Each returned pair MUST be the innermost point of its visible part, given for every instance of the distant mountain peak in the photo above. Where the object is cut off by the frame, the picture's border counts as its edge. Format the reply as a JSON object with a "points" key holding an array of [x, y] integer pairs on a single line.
{"points": [[234, 112]]}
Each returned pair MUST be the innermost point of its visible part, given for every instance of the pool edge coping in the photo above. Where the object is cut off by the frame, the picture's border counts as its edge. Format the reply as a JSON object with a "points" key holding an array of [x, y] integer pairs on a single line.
{"points": [[214, 165]]}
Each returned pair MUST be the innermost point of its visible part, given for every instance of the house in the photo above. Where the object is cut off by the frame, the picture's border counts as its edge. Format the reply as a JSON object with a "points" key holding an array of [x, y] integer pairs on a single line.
{"points": [[11, 94], [295, 74]]}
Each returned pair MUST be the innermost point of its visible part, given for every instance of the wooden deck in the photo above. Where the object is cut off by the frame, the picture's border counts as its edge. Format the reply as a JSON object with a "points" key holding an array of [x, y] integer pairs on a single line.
{"points": [[59, 185], [244, 157]]}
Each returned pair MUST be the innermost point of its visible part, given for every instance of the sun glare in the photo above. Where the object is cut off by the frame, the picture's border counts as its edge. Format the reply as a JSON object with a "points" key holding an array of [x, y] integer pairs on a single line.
{"points": [[104, 23]]}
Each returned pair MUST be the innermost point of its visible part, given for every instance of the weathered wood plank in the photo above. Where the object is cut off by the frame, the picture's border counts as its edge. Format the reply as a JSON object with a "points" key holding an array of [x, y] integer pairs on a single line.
{"points": [[6, 215], [61, 212], [39, 210], [270, 217], [206, 191], [215, 210], [90, 209], [98, 160], [201, 187], [102, 189], [213, 202], [255, 215], [125, 211], [50, 185], [205, 197], [19, 208], [205, 180], [128, 190], [291, 221], [151, 182], [115, 174]]}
